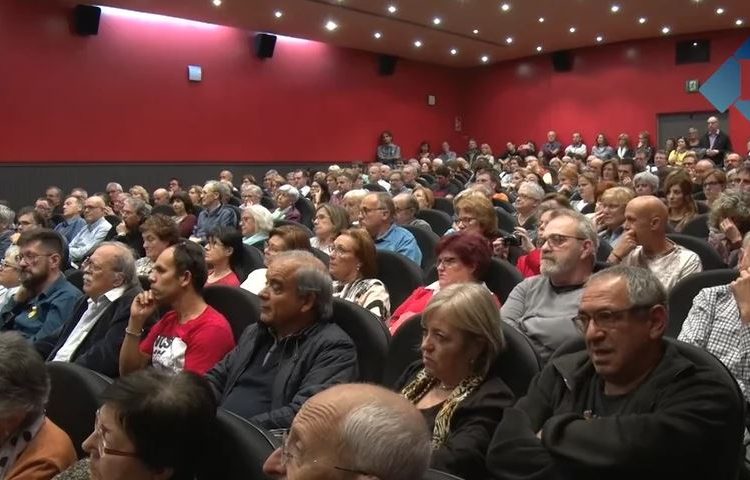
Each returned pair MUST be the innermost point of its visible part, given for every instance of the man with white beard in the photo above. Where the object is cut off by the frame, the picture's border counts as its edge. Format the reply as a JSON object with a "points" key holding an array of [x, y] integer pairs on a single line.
{"points": [[542, 307]]}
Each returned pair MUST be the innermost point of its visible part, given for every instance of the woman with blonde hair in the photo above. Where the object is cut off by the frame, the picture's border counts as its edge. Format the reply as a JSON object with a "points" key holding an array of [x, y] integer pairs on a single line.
{"points": [[475, 213], [452, 384]]}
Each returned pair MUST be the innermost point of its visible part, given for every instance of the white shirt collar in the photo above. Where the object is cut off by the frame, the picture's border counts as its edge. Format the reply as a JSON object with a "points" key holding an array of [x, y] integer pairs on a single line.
{"points": [[110, 295]]}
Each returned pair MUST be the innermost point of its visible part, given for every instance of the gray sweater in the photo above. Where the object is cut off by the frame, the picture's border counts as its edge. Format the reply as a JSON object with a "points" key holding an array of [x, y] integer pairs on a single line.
{"points": [[542, 314]]}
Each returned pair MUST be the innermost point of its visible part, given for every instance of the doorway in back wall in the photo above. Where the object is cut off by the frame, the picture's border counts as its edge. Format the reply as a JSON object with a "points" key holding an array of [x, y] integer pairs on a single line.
{"points": [[673, 125]]}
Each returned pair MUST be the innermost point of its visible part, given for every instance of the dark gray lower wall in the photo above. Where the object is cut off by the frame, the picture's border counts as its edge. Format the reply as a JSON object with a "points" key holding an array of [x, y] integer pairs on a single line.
{"points": [[21, 184]]}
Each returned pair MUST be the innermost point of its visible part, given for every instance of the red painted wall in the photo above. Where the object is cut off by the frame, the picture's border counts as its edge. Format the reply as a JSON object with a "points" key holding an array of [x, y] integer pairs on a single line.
{"points": [[612, 89], [123, 95]]}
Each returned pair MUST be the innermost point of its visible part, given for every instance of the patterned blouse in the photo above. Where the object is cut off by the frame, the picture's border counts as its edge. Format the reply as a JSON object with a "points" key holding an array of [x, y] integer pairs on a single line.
{"points": [[369, 293]]}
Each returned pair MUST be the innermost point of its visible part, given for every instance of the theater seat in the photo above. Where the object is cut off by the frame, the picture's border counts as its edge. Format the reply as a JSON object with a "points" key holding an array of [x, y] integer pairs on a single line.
{"points": [[307, 210], [240, 307], [505, 221], [253, 258], [681, 297], [369, 334], [709, 258], [427, 240], [321, 255], [400, 276], [239, 449], [281, 223], [374, 187], [439, 221], [444, 205], [697, 227], [403, 350], [268, 202], [74, 399], [502, 276], [603, 252], [75, 277], [438, 475]]}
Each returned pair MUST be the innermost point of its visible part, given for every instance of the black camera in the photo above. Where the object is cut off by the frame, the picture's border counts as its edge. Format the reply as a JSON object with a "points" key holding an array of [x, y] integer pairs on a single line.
{"points": [[512, 240]]}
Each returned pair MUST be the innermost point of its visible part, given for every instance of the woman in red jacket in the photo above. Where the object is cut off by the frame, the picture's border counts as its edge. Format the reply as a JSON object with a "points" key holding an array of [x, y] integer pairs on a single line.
{"points": [[461, 257]]}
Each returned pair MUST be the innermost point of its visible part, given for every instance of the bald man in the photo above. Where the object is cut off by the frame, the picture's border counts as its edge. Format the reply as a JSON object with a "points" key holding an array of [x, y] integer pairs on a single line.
{"points": [[354, 431], [645, 243], [716, 142], [94, 232], [161, 196]]}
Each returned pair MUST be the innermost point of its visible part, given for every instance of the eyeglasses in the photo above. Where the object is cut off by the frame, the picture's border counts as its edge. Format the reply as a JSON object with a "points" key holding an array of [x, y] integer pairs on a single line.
{"points": [[31, 258], [91, 266], [605, 319], [338, 251], [101, 442], [557, 240], [447, 262], [288, 457], [89, 207], [366, 210], [464, 220], [4, 264]]}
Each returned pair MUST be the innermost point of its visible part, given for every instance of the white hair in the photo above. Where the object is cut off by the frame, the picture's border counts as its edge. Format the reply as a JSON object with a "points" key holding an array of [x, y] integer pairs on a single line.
{"points": [[357, 194], [262, 217], [534, 190], [290, 192]]}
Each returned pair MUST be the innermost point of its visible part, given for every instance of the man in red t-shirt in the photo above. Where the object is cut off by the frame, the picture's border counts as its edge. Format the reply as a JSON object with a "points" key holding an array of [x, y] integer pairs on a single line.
{"points": [[192, 335]]}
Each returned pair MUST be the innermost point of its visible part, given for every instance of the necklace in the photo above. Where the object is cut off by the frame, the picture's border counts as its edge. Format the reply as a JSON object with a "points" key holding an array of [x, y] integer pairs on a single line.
{"points": [[445, 387]]}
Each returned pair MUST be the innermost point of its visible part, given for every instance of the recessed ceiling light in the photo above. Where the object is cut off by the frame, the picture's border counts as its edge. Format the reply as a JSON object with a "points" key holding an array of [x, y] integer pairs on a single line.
{"points": [[719, 11], [485, 59], [695, 44], [642, 20], [615, 8], [331, 25], [599, 38], [665, 30], [392, 9], [739, 22], [541, 19], [505, 7], [278, 14], [509, 40], [454, 51], [572, 29], [377, 35], [437, 20], [475, 31], [539, 48], [217, 3], [417, 43]]}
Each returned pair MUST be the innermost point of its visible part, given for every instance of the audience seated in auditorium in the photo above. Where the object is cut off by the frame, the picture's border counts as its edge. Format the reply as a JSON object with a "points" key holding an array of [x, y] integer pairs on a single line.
{"points": [[541, 307], [461, 257], [6, 228], [93, 334], [10, 279], [646, 183], [191, 335], [624, 148], [184, 213], [160, 197], [292, 353], [577, 147], [729, 221], [397, 184], [225, 257], [714, 184], [374, 176], [45, 299], [344, 184], [410, 176], [530, 264], [147, 429], [196, 195], [552, 147], [715, 141], [611, 215], [329, 222], [32, 446], [250, 194], [134, 212], [474, 213], [645, 243], [388, 152], [71, 222], [424, 197], [353, 267], [529, 197], [352, 203], [54, 198], [300, 181], [280, 239], [95, 231], [733, 160], [587, 182], [215, 213], [443, 187], [377, 216], [631, 406], [354, 431], [286, 197], [453, 385], [159, 232], [407, 207], [256, 223]]}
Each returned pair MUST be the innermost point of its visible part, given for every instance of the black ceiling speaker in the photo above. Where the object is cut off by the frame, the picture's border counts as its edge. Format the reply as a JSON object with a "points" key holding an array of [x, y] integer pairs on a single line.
{"points": [[693, 51], [387, 64], [264, 45], [86, 19], [562, 61]]}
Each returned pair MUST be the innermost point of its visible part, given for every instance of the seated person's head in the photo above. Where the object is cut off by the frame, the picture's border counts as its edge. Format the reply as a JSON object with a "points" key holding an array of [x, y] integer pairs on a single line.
{"points": [[6, 218], [377, 212], [24, 385], [344, 182], [353, 256], [224, 248], [354, 431], [733, 205], [442, 174], [330, 220], [298, 290], [622, 316], [286, 196], [407, 207], [133, 212], [462, 257], [256, 219], [613, 203], [530, 195], [181, 203], [152, 425], [28, 218], [112, 265], [678, 188], [646, 183], [159, 232], [179, 270], [353, 202], [286, 238], [568, 247], [9, 273], [424, 196], [646, 216], [474, 213], [93, 209], [40, 257]]}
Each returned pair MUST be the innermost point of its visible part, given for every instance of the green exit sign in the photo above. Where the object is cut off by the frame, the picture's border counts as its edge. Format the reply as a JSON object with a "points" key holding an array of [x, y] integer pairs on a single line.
{"points": [[692, 86]]}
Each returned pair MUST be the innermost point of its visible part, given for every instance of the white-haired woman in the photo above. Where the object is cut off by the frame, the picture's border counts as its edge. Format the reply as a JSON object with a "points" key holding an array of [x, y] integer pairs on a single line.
{"points": [[256, 224], [452, 385], [286, 197]]}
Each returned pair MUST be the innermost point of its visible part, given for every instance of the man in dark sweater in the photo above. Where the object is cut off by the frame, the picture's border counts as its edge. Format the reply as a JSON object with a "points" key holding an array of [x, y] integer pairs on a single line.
{"points": [[292, 353], [633, 405]]}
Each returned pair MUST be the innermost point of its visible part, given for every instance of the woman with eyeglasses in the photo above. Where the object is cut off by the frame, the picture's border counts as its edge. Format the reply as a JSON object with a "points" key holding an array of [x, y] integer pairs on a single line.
{"points": [[225, 256], [140, 413], [714, 184], [462, 257], [452, 385], [329, 222], [353, 267]]}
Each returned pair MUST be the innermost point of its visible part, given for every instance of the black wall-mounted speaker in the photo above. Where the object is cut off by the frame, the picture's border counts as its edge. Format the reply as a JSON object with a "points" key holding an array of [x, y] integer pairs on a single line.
{"points": [[387, 64], [693, 51], [562, 61], [86, 19], [264, 45]]}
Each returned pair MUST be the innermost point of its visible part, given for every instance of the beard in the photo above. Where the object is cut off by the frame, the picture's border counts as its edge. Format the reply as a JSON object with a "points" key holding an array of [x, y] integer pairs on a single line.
{"points": [[31, 281], [552, 266]]}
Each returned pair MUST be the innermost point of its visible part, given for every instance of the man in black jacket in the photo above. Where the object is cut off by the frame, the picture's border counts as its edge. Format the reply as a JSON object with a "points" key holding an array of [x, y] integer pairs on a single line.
{"points": [[632, 406], [292, 353], [716, 142], [93, 335]]}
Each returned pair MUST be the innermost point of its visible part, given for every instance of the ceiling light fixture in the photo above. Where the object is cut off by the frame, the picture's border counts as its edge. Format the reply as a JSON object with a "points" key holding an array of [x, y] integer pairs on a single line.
{"points": [[665, 30], [539, 48], [642, 20], [485, 59], [505, 7], [392, 9], [615, 8], [217, 3], [454, 51], [541, 19], [417, 43], [599, 39], [719, 11], [331, 25], [509, 40], [377, 35], [278, 14], [437, 20], [572, 29], [475, 31], [739, 22]]}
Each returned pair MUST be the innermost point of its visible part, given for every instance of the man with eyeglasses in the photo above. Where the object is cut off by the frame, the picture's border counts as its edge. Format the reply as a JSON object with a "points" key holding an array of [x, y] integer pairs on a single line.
{"points": [[377, 215], [632, 405], [354, 431], [541, 306], [406, 209], [45, 299], [645, 243], [742, 179], [94, 232]]}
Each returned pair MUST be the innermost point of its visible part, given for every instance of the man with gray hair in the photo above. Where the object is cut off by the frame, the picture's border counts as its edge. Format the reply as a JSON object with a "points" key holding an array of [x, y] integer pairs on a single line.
{"points": [[358, 429], [631, 405], [160, 197], [377, 215], [215, 213], [406, 210], [134, 213], [530, 196], [6, 228], [94, 232], [292, 353], [72, 223], [541, 306], [93, 335]]}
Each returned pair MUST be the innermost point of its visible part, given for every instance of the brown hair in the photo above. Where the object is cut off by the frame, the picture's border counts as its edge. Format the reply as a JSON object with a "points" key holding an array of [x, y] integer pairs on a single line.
{"points": [[427, 193], [364, 251], [294, 238], [163, 227], [478, 204]]}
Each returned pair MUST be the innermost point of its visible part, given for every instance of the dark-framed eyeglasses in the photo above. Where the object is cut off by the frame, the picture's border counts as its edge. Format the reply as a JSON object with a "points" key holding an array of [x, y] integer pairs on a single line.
{"points": [[557, 240], [101, 442], [605, 319]]}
